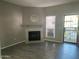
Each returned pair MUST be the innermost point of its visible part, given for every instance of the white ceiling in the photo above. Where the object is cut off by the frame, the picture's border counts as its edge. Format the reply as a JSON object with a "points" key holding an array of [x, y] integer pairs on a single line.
{"points": [[39, 3]]}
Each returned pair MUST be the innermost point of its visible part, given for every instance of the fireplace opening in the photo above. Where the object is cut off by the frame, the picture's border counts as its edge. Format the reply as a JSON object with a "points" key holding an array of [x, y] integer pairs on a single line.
{"points": [[34, 35]]}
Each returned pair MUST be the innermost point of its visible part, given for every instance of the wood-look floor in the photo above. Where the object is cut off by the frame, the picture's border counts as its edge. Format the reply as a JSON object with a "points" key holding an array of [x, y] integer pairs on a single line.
{"points": [[46, 50]]}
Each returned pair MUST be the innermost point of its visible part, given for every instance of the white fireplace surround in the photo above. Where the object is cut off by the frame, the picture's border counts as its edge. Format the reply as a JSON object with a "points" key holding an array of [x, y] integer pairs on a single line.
{"points": [[34, 28]]}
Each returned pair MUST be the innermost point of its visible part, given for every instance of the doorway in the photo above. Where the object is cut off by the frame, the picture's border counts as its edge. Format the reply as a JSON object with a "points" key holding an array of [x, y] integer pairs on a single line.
{"points": [[70, 28]]}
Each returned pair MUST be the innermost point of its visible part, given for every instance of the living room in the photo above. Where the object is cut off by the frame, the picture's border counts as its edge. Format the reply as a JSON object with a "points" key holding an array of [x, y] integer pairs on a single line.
{"points": [[28, 32]]}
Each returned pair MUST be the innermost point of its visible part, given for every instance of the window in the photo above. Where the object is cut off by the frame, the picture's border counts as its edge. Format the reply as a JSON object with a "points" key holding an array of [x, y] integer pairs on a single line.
{"points": [[50, 26], [71, 21]]}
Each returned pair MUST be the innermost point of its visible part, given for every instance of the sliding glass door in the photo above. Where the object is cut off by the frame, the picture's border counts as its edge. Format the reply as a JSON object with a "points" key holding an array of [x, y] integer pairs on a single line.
{"points": [[71, 28]]}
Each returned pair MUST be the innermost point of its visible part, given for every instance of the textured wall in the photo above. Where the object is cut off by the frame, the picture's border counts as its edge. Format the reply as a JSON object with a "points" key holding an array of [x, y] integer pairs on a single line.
{"points": [[10, 24]]}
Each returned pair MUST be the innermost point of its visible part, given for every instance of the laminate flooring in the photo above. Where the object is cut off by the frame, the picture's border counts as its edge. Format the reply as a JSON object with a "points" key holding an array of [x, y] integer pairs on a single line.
{"points": [[45, 50]]}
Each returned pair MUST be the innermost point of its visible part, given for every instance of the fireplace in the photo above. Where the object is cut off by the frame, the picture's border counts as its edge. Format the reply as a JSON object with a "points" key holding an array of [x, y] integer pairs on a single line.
{"points": [[34, 35]]}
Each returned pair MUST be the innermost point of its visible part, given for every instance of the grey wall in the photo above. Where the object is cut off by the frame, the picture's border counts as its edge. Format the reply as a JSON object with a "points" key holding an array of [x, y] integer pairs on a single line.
{"points": [[60, 11], [30, 11], [11, 31]]}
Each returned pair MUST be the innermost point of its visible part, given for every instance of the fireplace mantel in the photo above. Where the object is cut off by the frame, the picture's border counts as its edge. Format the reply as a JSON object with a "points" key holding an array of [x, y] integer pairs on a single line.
{"points": [[31, 25], [29, 28]]}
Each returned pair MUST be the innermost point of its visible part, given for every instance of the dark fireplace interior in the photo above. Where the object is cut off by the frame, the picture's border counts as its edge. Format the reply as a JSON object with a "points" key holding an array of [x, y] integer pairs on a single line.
{"points": [[34, 35]]}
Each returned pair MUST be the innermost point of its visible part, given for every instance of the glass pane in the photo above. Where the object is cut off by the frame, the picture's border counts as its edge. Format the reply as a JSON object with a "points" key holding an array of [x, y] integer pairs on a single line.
{"points": [[70, 36], [50, 22], [50, 33], [71, 21], [71, 28], [50, 26]]}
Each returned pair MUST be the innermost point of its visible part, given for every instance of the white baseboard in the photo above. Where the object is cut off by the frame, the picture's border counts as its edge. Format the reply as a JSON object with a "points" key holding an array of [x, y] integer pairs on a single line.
{"points": [[12, 44], [53, 41]]}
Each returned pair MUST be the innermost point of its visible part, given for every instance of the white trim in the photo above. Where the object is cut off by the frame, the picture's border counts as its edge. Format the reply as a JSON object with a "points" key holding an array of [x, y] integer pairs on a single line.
{"points": [[53, 41], [34, 29], [12, 44]]}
